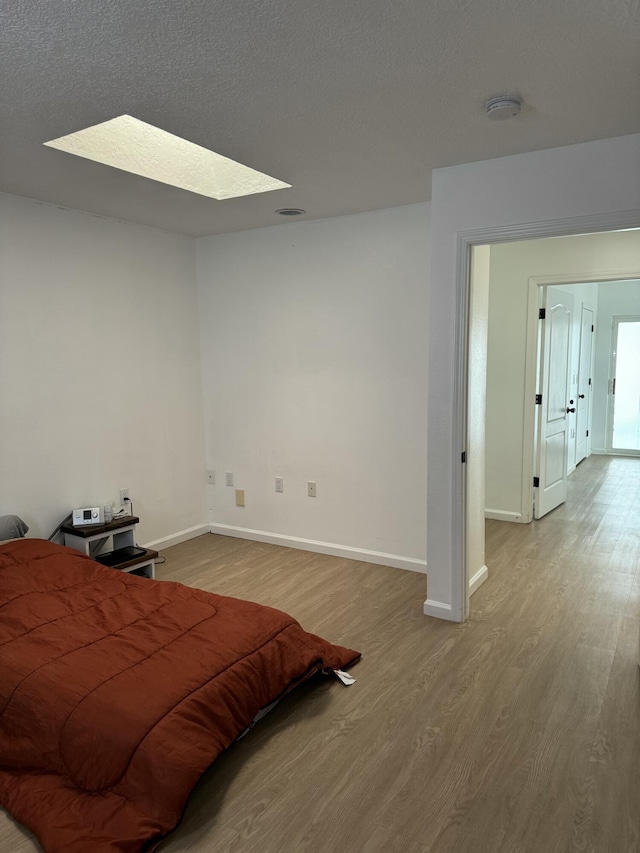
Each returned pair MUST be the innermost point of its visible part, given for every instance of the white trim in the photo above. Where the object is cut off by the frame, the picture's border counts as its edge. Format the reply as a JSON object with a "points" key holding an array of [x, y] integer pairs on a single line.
{"points": [[591, 224], [438, 609], [503, 515], [379, 557], [595, 223], [561, 279], [459, 608], [177, 538], [586, 306], [478, 579], [599, 451], [531, 367]]}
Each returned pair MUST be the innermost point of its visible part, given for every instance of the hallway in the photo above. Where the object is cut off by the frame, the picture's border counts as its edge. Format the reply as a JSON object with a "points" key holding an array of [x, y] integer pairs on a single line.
{"points": [[574, 580]]}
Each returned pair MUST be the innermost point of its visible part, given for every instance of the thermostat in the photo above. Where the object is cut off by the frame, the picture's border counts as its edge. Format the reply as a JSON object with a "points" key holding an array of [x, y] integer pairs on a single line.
{"points": [[88, 515]]}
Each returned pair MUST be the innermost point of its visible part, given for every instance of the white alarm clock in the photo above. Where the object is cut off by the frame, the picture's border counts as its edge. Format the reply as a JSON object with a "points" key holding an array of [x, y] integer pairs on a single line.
{"points": [[88, 515]]}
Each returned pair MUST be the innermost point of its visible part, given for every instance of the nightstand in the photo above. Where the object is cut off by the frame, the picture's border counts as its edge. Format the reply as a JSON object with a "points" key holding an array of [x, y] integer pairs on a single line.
{"points": [[123, 555]]}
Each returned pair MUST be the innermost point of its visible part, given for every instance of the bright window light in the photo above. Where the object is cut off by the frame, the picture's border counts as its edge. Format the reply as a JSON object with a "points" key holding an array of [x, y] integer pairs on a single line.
{"points": [[134, 146]]}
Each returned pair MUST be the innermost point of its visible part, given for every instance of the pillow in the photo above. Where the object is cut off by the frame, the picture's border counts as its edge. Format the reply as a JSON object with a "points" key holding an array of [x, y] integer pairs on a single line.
{"points": [[12, 527]]}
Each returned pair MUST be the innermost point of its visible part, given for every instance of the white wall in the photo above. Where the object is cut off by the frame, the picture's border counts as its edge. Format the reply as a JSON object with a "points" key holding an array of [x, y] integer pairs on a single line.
{"points": [[314, 354], [512, 267], [99, 370], [536, 194], [614, 299]]}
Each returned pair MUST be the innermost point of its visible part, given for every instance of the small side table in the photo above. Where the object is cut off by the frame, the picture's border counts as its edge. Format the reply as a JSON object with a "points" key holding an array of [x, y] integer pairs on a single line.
{"points": [[124, 555]]}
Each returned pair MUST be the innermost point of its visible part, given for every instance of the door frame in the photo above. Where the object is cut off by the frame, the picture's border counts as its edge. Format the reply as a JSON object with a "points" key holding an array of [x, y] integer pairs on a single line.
{"points": [[615, 323], [594, 323], [465, 241]]}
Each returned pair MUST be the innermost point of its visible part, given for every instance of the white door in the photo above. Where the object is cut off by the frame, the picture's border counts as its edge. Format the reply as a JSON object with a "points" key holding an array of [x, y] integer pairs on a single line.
{"points": [[583, 403], [551, 456]]}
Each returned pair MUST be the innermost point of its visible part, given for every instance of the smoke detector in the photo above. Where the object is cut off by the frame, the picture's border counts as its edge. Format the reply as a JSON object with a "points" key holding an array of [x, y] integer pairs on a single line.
{"points": [[499, 109]]}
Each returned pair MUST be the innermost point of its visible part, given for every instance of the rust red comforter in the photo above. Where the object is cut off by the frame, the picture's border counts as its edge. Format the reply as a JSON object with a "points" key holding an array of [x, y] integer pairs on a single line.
{"points": [[117, 692]]}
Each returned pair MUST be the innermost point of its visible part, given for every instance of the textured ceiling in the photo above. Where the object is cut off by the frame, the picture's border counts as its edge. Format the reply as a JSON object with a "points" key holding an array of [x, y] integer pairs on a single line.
{"points": [[353, 102]]}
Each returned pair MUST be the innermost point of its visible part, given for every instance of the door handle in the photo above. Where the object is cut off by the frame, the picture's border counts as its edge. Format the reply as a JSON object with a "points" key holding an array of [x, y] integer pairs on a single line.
{"points": [[570, 410], [581, 396]]}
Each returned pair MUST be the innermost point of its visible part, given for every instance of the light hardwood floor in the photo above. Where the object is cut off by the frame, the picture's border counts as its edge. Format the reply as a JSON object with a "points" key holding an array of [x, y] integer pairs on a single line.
{"points": [[517, 732]]}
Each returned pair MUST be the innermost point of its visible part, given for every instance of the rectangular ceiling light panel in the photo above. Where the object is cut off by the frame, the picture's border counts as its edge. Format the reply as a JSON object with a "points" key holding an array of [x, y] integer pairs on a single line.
{"points": [[134, 146]]}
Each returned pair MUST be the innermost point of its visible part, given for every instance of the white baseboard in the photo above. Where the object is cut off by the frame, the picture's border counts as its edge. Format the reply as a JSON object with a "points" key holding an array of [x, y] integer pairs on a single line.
{"points": [[177, 538], [360, 554], [598, 451], [437, 609], [478, 579], [503, 515]]}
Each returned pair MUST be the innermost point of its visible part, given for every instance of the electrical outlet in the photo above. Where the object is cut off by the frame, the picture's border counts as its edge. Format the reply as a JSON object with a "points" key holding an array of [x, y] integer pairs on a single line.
{"points": [[229, 478], [124, 494], [311, 489], [239, 497], [211, 478], [279, 484]]}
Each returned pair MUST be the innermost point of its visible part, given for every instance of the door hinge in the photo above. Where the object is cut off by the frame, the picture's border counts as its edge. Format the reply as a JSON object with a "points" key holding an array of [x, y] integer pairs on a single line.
{"points": [[587, 432], [589, 382], [464, 456], [536, 482], [592, 327], [542, 313], [538, 399]]}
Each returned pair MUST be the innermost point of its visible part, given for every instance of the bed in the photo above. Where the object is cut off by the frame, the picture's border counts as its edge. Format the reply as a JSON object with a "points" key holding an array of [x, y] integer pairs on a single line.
{"points": [[117, 693]]}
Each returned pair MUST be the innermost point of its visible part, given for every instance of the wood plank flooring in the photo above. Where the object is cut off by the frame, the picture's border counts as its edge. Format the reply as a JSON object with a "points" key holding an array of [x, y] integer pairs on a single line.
{"points": [[517, 732]]}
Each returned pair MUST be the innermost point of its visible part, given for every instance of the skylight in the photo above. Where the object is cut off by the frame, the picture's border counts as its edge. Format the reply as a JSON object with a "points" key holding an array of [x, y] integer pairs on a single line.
{"points": [[134, 146]]}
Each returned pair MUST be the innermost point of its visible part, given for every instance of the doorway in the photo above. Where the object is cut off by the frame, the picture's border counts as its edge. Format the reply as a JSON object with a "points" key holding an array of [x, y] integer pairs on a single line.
{"points": [[515, 456], [624, 407]]}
